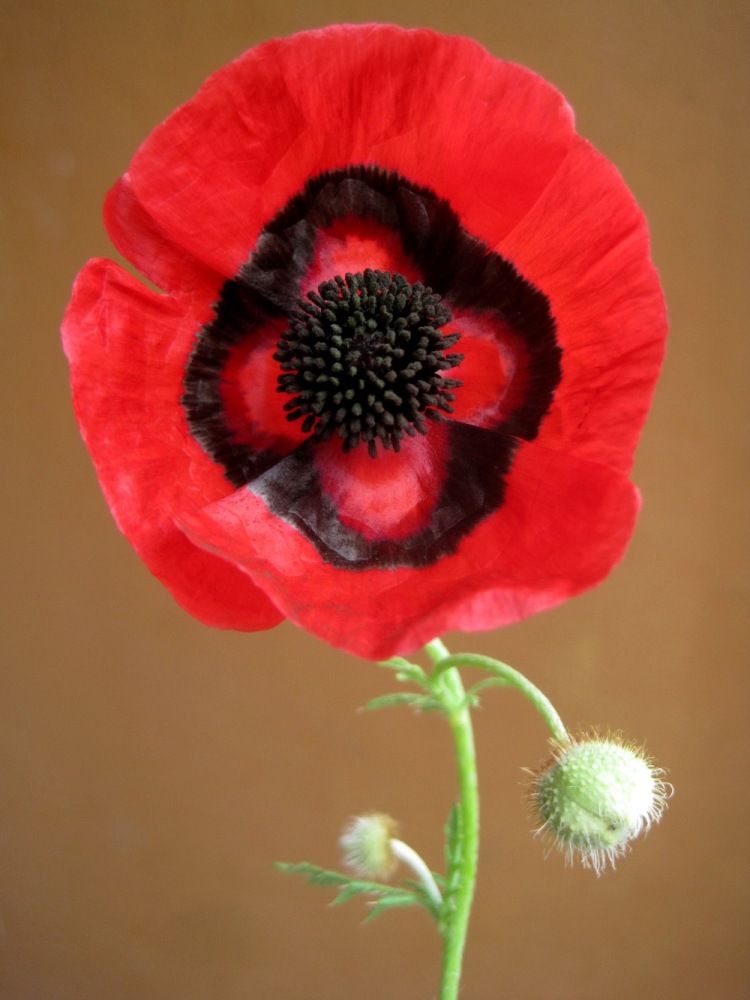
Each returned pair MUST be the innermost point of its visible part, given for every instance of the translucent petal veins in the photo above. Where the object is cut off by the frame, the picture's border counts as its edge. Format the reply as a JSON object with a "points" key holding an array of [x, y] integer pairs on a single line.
{"points": [[363, 359]]}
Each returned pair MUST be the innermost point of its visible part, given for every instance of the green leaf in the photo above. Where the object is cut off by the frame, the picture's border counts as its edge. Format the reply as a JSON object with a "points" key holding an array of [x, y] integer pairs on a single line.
{"points": [[472, 699], [424, 897], [405, 670], [391, 903], [398, 698], [453, 846], [313, 873], [432, 705], [348, 886], [346, 893], [453, 856], [387, 896]]}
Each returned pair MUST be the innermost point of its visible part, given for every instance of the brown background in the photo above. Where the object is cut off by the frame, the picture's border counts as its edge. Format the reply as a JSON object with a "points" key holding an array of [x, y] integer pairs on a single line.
{"points": [[152, 769]]}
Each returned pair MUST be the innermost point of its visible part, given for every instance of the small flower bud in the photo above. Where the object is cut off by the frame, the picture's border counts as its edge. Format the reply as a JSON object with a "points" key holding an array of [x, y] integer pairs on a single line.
{"points": [[366, 843], [595, 796]]}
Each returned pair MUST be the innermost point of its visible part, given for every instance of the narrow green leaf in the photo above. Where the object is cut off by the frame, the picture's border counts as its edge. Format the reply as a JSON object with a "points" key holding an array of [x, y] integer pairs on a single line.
{"points": [[346, 893], [391, 903], [313, 873], [398, 698], [424, 897], [472, 699], [349, 887], [386, 896], [404, 669], [452, 840], [431, 705], [453, 855]]}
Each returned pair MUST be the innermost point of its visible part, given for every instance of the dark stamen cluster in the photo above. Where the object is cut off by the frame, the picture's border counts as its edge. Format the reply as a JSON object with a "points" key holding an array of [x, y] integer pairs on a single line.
{"points": [[362, 358]]}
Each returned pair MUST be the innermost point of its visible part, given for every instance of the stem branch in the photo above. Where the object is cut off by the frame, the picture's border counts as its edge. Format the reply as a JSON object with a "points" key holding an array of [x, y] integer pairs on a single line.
{"points": [[513, 678], [447, 687], [409, 857]]}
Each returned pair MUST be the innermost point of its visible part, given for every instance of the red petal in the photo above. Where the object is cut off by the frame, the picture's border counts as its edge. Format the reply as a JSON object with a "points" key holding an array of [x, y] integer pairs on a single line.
{"points": [[486, 134], [138, 238], [253, 405], [127, 349], [564, 524], [585, 245], [353, 245], [494, 370], [391, 496]]}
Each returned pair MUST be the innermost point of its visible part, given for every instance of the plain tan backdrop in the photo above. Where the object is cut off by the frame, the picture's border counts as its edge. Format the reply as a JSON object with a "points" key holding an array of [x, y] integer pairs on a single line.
{"points": [[153, 769]]}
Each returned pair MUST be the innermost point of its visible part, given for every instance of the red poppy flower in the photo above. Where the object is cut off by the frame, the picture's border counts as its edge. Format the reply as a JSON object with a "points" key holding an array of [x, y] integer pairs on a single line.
{"points": [[409, 337]]}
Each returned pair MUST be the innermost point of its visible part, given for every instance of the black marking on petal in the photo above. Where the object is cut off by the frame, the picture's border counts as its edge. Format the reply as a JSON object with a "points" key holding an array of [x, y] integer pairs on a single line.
{"points": [[239, 313], [474, 486], [363, 358], [456, 266]]}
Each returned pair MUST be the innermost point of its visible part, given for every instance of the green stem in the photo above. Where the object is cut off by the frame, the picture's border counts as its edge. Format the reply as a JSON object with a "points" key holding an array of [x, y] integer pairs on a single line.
{"points": [[437, 651], [508, 676], [447, 686], [451, 691]]}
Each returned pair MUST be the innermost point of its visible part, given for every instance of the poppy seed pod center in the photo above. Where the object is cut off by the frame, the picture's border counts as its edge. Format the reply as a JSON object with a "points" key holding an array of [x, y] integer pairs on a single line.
{"points": [[363, 358]]}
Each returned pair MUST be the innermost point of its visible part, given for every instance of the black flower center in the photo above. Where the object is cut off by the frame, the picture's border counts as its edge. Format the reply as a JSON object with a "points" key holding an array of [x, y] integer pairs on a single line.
{"points": [[363, 358], [401, 352]]}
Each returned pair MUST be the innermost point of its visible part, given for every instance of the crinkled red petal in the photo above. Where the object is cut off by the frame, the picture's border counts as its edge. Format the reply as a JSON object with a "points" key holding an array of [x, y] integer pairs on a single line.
{"points": [[354, 245], [585, 244], [498, 143], [494, 371], [392, 496], [485, 134], [127, 349], [253, 405], [564, 524], [138, 238]]}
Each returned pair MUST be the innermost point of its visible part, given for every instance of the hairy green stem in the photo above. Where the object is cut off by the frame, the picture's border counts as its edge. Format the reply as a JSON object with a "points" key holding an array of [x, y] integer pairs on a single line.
{"points": [[448, 682], [512, 678], [445, 681]]}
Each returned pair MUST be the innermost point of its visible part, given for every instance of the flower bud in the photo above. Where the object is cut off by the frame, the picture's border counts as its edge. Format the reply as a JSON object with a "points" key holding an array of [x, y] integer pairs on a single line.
{"points": [[366, 843], [595, 796]]}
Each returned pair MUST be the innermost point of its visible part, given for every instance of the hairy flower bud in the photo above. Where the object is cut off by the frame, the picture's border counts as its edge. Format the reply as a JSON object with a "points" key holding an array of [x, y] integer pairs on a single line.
{"points": [[595, 796], [366, 843]]}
